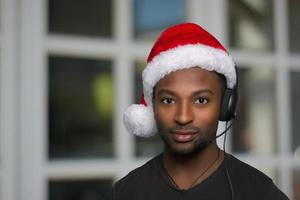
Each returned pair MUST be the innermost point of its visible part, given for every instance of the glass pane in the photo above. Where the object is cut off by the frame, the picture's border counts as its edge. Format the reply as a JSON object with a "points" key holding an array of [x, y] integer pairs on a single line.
{"points": [[80, 108], [79, 190], [254, 129], [144, 146], [251, 24], [152, 16], [295, 111], [294, 25], [89, 18]]}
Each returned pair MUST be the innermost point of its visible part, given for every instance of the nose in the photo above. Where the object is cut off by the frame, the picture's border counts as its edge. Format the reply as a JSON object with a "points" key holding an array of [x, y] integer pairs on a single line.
{"points": [[184, 113]]}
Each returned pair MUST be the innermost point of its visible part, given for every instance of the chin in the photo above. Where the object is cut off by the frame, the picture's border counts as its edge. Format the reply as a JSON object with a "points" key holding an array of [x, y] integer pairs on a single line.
{"points": [[182, 149]]}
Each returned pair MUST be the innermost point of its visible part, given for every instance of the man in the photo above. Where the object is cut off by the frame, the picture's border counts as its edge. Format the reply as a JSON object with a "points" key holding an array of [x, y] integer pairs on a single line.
{"points": [[190, 83]]}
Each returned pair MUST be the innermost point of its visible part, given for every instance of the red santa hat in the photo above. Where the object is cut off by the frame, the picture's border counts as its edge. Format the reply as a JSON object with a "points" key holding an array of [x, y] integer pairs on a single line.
{"points": [[179, 47]]}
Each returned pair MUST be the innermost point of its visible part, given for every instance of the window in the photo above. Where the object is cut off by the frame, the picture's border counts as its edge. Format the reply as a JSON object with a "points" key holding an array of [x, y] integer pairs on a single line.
{"points": [[254, 130], [75, 17], [151, 16], [251, 24], [295, 111], [294, 25], [69, 68], [79, 189], [80, 108]]}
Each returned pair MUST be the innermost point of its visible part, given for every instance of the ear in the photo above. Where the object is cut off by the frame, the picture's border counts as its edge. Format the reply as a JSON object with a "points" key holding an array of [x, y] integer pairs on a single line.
{"points": [[228, 106]]}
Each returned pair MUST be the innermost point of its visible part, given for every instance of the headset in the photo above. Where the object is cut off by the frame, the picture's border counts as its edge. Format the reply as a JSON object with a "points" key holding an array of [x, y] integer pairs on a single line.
{"points": [[229, 102], [228, 113]]}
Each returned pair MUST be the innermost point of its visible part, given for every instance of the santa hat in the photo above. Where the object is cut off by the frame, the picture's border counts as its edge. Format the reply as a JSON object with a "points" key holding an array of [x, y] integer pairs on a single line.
{"points": [[179, 47]]}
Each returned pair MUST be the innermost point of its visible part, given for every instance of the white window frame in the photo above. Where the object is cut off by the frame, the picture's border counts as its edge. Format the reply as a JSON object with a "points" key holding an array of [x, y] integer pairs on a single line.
{"points": [[33, 95], [25, 45], [8, 100]]}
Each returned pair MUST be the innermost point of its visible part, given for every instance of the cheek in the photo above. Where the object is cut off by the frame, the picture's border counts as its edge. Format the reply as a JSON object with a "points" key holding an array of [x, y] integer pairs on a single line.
{"points": [[212, 113], [163, 117], [208, 117]]}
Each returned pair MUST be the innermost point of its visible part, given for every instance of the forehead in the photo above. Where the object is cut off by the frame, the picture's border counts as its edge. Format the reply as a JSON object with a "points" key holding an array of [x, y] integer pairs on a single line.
{"points": [[192, 77]]}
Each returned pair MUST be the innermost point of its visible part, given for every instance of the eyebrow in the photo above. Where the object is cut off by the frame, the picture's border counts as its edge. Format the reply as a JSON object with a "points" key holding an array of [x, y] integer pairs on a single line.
{"points": [[203, 91], [170, 92], [162, 91]]}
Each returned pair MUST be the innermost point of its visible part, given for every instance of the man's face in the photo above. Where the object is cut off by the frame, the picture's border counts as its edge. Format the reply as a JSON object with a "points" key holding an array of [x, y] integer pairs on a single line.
{"points": [[186, 106]]}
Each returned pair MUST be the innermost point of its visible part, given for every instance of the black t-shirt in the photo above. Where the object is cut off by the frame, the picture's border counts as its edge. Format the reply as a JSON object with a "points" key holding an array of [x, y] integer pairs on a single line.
{"points": [[151, 182]]}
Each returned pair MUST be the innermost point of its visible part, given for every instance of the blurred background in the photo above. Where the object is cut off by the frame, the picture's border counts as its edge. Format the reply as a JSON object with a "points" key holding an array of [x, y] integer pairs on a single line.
{"points": [[69, 68]]}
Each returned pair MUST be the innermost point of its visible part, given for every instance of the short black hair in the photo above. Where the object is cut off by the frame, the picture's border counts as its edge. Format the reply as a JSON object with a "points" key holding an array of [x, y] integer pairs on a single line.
{"points": [[223, 80]]}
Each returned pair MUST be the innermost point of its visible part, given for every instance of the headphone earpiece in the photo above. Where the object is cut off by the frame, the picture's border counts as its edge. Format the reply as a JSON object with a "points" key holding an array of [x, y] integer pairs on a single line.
{"points": [[228, 105], [229, 102]]}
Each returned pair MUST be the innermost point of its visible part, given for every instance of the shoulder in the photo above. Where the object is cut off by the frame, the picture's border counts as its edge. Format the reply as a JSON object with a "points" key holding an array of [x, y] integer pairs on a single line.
{"points": [[139, 172], [275, 194], [241, 170], [249, 181]]}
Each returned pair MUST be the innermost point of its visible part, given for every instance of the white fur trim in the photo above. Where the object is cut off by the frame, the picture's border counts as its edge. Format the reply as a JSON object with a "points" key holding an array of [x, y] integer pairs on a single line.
{"points": [[184, 57], [139, 120]]}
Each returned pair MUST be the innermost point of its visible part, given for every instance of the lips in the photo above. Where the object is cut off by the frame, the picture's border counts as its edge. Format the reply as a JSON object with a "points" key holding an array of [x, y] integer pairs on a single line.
{"points": [[183, 136]]}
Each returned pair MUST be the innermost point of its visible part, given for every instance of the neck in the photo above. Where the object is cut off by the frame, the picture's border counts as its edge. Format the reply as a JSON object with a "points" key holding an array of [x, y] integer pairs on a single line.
{"points": [[185, 168]]}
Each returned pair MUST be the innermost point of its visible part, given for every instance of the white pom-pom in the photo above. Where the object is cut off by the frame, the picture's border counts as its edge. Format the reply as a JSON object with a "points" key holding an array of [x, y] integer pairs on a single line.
{"points": [[139, 120]]}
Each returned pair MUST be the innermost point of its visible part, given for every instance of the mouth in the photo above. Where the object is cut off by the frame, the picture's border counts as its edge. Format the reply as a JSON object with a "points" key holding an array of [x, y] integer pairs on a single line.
{"points": [[183, 136]]}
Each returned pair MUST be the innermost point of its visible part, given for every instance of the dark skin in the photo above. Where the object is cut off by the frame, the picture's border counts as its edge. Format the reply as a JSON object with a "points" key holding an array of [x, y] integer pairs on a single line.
{"points": [[186, 106]]}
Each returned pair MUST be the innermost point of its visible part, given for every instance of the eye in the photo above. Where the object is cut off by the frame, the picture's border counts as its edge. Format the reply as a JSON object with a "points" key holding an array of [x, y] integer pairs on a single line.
{"points": [[168, 101], [201, 100]]}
